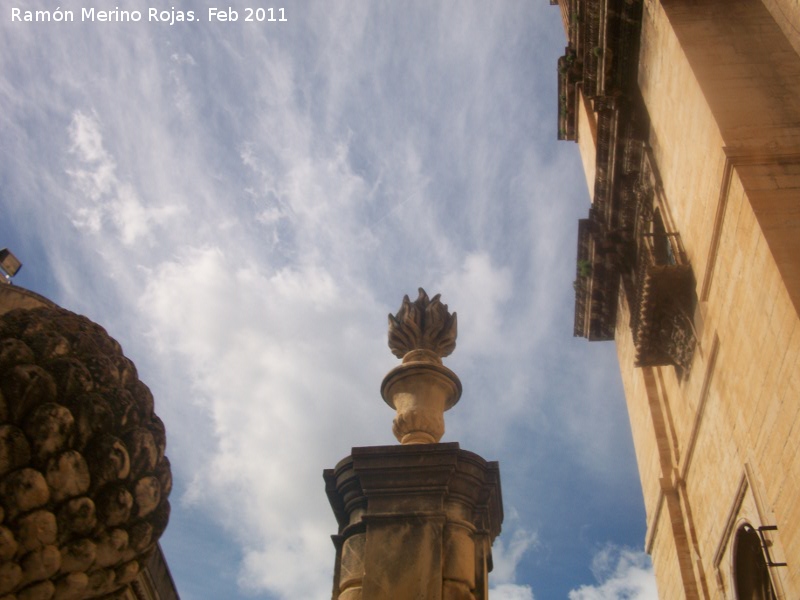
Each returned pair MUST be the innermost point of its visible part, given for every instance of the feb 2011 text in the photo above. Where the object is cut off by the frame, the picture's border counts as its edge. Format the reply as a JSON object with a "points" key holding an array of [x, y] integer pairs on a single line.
{"points": [[152, 15]]}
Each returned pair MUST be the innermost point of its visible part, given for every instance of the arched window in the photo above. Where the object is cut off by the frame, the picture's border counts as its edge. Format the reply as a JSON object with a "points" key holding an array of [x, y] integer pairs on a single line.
{"points": [[750, 573]]}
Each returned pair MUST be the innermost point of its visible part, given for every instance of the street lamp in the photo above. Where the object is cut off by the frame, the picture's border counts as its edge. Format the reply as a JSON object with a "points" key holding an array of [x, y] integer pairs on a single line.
{"points": [[9, 264]]}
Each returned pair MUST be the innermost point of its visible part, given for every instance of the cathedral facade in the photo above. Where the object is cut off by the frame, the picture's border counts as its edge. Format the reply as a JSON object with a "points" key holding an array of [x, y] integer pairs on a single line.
{"points": [[687, 117]]}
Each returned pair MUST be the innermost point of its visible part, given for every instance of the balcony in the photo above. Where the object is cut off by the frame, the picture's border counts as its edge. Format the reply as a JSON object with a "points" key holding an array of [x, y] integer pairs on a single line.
{"points": [[662, 315], [570, 71], [596, 282]]}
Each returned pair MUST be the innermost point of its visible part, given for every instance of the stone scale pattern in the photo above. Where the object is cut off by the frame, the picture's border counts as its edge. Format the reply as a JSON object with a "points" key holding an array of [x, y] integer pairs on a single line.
{"points": [[83, 477]]}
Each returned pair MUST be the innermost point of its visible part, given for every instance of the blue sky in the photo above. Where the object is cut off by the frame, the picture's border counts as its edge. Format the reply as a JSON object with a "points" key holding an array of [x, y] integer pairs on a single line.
{"points": [[241, 204]]}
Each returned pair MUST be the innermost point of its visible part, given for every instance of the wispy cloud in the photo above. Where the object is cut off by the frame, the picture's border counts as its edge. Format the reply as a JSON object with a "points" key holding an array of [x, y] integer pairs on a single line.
{"points": [[101, 198]]}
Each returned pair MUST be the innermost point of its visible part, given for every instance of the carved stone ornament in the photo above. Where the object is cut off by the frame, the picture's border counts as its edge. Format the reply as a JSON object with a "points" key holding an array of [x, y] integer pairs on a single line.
{"points": [[421, 388], [83, 476], [423, 325]]}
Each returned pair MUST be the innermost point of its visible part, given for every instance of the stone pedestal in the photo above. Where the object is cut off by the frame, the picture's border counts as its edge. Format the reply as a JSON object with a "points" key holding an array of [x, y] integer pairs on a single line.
{"points": [[420, 390], [416, 522]]}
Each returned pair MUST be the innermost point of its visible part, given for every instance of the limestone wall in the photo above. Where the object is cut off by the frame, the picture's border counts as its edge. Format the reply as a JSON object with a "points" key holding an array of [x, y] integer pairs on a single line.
{"points": [[718, 445]]}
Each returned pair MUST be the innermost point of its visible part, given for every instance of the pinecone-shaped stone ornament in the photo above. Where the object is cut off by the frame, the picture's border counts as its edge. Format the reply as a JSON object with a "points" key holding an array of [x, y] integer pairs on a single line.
{"points": [[83, 477]]}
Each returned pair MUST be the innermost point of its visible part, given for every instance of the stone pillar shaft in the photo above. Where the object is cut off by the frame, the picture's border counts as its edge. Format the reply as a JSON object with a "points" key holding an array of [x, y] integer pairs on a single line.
{"points": [[415, 522]]}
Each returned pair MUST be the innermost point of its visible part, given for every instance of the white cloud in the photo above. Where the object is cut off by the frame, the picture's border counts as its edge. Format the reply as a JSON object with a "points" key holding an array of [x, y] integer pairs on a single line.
{"points": [[479, 289], [94, 176], [87, 141], [506, 556], [622, 574], [264, 352], [507, 552], [510, 591], [100, 196]]}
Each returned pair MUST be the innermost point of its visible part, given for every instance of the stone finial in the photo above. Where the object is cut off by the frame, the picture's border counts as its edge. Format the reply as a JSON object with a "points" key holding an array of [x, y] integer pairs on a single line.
{"points": [[83, 477], [421, 389], [423, 325]]}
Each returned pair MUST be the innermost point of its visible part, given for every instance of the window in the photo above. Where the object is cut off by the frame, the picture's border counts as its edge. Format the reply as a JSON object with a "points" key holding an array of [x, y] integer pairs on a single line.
{"points": [[750, 573]]}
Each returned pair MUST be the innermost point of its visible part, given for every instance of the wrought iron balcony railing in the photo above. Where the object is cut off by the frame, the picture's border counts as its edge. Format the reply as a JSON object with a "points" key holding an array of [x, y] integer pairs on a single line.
{"points": [[662, 316]]}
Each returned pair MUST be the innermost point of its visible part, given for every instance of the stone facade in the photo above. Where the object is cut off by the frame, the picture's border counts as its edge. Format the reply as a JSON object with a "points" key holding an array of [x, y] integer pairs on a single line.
{"points": [[687, 117]]}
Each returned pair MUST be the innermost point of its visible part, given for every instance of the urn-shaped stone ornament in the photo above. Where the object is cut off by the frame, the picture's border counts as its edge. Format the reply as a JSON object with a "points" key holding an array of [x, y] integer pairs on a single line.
{"points": [[83, 476], [421, 388]]}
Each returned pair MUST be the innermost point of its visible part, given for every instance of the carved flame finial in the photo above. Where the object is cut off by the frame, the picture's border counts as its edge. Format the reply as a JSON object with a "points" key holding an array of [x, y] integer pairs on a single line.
{"points": [[424, 324], [421, 388]]}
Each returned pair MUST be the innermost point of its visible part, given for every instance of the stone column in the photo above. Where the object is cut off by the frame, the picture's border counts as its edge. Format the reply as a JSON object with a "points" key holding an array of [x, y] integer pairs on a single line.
{"points": [[416, 521]]}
